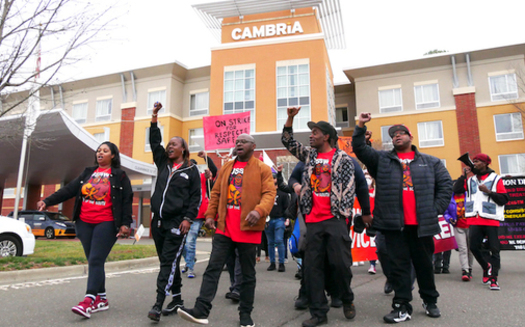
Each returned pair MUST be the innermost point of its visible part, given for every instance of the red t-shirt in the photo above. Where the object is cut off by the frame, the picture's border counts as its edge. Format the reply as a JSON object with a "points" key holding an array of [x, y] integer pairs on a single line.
{"points": [[321, 184], [204, 198], [500, 188], [409, 198], [233, 209], [96, 198]]}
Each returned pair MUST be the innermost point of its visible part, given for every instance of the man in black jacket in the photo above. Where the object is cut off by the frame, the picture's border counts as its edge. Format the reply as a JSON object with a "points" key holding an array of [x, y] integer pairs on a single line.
{"points": [[404, 177]]}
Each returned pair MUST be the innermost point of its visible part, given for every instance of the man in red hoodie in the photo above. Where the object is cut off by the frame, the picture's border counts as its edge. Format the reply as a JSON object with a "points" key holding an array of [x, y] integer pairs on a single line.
{"points": [[484, 206]]}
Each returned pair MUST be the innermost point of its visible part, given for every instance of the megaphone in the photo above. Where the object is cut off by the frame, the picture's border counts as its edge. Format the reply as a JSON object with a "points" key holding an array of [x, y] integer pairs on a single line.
{"points": [[466, 160]]}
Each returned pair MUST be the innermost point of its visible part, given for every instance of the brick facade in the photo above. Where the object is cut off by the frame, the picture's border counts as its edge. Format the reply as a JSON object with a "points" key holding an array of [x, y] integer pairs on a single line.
{"points": [[467, 120], [127, 127]]}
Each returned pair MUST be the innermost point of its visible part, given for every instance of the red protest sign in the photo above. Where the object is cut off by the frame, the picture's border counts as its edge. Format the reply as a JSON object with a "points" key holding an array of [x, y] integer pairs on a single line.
{"points": [[220, 132], [445, 240]]}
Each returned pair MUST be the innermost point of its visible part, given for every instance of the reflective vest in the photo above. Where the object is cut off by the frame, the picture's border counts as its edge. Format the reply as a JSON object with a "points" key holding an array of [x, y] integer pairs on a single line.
{"points": [[478, 203]]}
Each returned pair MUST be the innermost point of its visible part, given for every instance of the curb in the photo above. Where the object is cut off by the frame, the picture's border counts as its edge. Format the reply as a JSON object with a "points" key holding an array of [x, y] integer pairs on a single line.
{"points": [[22, 276]]}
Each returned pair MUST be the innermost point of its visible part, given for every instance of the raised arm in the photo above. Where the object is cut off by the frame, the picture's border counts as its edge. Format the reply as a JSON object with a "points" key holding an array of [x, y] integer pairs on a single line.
{"points": [[365, 153], [297, 149]]}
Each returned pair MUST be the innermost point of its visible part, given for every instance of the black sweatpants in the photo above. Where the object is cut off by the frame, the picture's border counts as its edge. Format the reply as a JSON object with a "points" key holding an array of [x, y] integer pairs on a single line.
{"points": [[329, 240], [404, 249], [169, 244], [476, 235]]}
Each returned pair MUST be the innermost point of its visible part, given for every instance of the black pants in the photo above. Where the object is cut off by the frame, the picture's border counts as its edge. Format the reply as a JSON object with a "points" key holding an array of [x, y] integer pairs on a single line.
{"points": [[222, 249], [382, 255], [442, 260], [329, 240], [477, 234], [404, 249], [169, 245], [97, 241]]}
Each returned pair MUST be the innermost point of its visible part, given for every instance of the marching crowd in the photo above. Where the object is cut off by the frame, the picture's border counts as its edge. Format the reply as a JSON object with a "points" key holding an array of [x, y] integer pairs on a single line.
{"points": [[244, 198]]}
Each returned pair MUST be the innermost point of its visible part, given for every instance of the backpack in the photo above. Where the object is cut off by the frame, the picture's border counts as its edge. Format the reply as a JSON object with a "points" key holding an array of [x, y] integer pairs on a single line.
{"points": [[297, 241]]}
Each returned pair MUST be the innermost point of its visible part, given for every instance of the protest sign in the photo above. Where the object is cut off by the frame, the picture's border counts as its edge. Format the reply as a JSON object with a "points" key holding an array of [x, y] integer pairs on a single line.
{"points": [[220, 132], [512, 229], [445, 240], [363, 246]]}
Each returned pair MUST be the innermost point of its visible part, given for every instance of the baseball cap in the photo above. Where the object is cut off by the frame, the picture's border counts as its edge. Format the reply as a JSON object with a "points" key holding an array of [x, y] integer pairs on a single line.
{"points": [[398, 127], [483, 157], [325, 127]]}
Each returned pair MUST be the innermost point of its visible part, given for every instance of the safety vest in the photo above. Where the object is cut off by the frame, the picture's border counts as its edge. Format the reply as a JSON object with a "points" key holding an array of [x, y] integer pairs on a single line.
{"points": [[479, 203]]}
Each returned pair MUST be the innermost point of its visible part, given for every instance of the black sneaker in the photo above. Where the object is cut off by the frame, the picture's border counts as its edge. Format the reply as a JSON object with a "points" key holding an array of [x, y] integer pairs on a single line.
{"points": [[246, 320], [388, 288], [299, 274], [494, 286], [301, 303], [349, 311], [281, 268], [271, 267], [432, 310], [193, 315], [235, 297], [315, 321], [173, 306], [445, 271], [155, 312], [437, 271], [399, 314]]}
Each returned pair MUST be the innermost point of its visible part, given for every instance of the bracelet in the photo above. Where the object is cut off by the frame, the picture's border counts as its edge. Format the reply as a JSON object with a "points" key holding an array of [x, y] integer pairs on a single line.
{"points": [[155, 115]]}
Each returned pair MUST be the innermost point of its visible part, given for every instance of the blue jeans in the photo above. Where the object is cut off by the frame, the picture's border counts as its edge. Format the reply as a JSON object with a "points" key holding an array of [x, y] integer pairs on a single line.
{"points": [[191, 243], [275, 234]]}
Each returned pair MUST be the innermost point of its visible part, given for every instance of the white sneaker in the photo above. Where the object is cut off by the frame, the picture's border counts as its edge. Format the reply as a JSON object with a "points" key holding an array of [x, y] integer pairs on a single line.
{"points": [[372, 270]]}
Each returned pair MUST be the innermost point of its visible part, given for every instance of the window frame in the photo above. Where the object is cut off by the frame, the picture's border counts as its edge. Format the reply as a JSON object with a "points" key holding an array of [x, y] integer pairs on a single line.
{"points": [[422, 105], [420, 134], [298, 124], [384, 132], [382, 108], [107, 116], [516, 155], [195, 112], [507, 133], [150, 103], [235, 70], [83, 119], [502, 96], [343, 123], [194, 147]]}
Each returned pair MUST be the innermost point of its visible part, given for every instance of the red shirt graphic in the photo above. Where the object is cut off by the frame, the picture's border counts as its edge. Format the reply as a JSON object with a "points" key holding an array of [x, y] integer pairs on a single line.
{"points": [[233, 209], [321, 183], [409, 198], [96, 198]]}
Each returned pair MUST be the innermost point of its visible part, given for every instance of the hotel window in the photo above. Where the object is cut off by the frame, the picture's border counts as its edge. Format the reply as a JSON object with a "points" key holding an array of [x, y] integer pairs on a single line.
{"points": [[239, 93], [102, 137], [386, 140], [512, 164], [103, 111], [508, 127], [427, 96], [199, 103], [194, 146], [293, 89], [154, 96], [341, 117], [503, 87], [430, 134], [390, 100], [147, 148], [79, 112]]}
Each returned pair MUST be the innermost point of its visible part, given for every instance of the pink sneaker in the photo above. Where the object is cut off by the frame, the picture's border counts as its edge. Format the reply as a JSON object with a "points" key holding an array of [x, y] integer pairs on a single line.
{"points": [[99, 305], [84, 308]]}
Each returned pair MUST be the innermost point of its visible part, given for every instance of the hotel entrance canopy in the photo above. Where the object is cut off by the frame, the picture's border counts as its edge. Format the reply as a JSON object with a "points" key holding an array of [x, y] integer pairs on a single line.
{"points": [[58, 151]]}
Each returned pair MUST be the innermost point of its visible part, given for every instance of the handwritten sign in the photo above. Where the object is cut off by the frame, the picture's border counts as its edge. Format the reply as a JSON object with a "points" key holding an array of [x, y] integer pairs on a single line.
{"points": [[220, 132]]}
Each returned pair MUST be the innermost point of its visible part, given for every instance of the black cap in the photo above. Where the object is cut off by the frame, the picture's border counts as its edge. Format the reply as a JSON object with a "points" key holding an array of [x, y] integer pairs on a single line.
{"points": [[399, 127], [325, 127]]}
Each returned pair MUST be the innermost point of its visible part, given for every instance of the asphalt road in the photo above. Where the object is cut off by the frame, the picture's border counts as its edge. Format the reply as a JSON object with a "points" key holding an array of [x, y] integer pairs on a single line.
{"points": [[132, 293]]}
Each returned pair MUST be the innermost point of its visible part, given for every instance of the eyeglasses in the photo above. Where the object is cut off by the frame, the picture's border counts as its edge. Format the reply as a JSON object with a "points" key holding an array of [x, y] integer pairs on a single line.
{"points": [[242, 142], [399, 133]]}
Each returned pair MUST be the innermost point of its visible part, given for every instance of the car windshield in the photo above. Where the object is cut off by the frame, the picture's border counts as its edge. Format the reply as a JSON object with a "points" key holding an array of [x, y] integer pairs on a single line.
{"points": [[57, 216]]}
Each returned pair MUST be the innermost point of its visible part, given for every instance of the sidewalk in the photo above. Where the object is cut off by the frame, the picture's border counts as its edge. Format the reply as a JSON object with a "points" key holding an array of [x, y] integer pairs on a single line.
{"points": [[30, 275]]}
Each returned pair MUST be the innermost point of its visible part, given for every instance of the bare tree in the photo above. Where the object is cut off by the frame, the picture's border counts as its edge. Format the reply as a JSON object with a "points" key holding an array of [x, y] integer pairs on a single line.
{"points": [[63, 28], [520, 81]]}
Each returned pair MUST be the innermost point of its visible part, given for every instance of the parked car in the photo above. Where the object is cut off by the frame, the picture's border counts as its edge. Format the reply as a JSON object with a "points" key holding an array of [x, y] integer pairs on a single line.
{"points": [[48, 224], [16, 238]]}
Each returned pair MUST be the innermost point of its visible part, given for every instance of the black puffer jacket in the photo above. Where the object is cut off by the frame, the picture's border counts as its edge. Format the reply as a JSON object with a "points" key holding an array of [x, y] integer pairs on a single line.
{"points": [[121, 195], [432, 186], [177, 197]]}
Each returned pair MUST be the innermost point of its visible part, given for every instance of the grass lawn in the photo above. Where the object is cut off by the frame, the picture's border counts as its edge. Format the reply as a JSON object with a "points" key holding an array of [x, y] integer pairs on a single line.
{"points": [[68, 253]]}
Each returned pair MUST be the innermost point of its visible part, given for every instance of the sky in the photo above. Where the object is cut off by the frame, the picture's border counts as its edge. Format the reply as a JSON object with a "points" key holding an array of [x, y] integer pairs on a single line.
{"points": [[154, 32]]}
